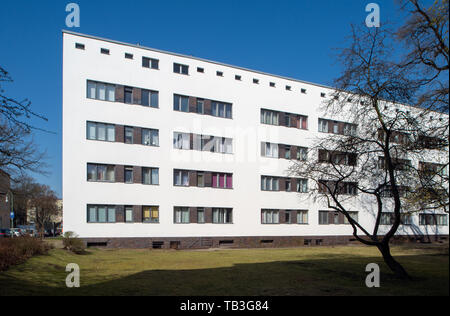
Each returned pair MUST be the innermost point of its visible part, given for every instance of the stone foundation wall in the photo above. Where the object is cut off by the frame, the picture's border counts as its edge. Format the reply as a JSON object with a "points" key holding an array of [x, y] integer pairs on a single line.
{"points": [[241, 242]]}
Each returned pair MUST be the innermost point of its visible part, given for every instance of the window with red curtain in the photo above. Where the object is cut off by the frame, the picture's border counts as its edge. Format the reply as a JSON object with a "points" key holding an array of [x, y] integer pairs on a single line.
{"points": [[222, 180], [304, 122], [214, 180], [229, 181]]}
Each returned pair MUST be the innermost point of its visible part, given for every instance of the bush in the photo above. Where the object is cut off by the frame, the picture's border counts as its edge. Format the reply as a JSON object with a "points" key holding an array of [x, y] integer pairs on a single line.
{"points": [[19, 249], [72, 243]]}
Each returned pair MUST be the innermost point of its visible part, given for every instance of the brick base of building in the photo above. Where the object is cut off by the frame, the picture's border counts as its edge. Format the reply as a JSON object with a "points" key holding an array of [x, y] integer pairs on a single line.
{"points": [[242, 242]]}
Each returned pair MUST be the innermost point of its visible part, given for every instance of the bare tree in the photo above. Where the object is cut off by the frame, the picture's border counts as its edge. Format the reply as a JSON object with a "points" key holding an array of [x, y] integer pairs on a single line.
{"points": [[367, 161], [44, 202], [18, 151], [426, 37]]}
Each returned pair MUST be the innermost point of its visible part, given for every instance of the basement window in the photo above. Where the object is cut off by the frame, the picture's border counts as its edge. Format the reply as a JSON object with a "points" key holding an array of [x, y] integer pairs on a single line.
{"points": [[157, 244], [201, 70], [272, 84], [128, 56], [104, 51], [288, 88], [303, 91], [256, 81], [219, 73], [237, 77]]}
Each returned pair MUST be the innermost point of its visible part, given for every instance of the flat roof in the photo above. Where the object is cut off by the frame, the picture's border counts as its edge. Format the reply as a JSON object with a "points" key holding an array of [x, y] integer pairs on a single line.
{"points": [[195, 58]]}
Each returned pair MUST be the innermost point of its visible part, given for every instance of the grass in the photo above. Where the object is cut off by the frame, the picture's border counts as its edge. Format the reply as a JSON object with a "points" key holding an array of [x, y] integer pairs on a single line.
{"points": [[293, 271]]}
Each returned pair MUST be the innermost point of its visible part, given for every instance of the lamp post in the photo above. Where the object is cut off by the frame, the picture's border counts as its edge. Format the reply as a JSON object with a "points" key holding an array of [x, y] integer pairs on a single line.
{"points": [[10, 194]]}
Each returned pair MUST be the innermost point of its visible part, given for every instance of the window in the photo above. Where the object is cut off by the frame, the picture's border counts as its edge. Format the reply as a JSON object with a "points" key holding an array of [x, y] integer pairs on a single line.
{"points": [[128, 95], [128, 56], [335, 127], [150, 176], [150, 63], [270, 217], [287, 120], [128, 174], [219, 73], [302, 153], [201, 70], [222, 215], [350, 129], [288, 88], [79, 46], [149, 98], [302, 217], [101, 131], [101, 214], [269, 183], [222, 180], [150, 137], [323, 126], [303, 122], [406, 219], [288, 217], [271, 150], [256, 81], [287, 152], [181, 178], [221, 109], [128, 214], [104, 51], [200, 215], [200, 179], [129, 134], [100, 173], [180, 103], [323, 217], [303, 91], [101, 91], [180, 69], [353, 215], [287, 185], [237, 77], [387, 218], [150, 214], [181, 140], [433, 219], [272, 84], [269, 117], [322, 94], [181, 215], [200, 107], [302, 185]]}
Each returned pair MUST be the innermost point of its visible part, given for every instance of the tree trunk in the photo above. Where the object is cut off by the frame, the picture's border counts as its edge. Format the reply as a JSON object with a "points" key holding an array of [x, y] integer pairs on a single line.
{"points": [[396, 267]]}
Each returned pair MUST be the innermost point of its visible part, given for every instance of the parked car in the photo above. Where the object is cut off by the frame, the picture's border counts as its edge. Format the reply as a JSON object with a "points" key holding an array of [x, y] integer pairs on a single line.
{"points": [[3, 233], [15, 232], [6, 232]]}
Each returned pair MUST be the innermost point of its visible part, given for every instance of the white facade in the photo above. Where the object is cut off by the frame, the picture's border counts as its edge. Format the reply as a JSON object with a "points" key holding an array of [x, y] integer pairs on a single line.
{"points": [[245, 163]]}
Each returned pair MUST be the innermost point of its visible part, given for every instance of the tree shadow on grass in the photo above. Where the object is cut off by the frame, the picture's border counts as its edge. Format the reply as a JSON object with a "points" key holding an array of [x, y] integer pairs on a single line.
{"points": [[328, 276]]}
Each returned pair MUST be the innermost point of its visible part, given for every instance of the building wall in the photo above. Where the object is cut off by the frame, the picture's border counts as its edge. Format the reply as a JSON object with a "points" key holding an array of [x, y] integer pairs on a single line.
{"points": [[246, 198], [4, 206]]}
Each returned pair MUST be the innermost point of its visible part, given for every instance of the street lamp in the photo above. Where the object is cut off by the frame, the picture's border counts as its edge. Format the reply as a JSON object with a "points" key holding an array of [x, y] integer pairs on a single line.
{"points": [[9, 193]]}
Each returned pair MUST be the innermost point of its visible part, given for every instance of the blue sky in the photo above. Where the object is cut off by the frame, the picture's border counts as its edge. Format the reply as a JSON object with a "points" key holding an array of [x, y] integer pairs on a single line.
{"points": [[290, 38]]}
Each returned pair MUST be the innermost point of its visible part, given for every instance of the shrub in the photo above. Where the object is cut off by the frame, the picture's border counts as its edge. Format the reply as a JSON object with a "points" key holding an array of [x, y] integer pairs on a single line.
{"points": [[19, 249], [72, 243]]}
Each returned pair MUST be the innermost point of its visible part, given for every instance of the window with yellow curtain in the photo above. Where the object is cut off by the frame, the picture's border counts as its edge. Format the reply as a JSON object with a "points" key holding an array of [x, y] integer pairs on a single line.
{"points": [[150, 214]]}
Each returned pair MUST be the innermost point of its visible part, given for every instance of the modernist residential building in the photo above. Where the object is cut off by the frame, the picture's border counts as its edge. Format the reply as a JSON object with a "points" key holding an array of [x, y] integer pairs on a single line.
{"points": [[167, 150]]}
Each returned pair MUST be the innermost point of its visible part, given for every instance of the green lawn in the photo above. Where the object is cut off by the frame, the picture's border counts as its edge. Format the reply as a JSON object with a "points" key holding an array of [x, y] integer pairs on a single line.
{"points": [[293, 271]]}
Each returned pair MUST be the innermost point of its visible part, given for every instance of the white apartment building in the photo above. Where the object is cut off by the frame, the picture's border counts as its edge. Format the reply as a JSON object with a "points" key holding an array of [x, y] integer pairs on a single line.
{"points": [[166, 150]]}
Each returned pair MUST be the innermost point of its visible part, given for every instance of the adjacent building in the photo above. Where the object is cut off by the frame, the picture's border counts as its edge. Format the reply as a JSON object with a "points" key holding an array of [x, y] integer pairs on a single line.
{"points": [[5, 204], [166, 150]]}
